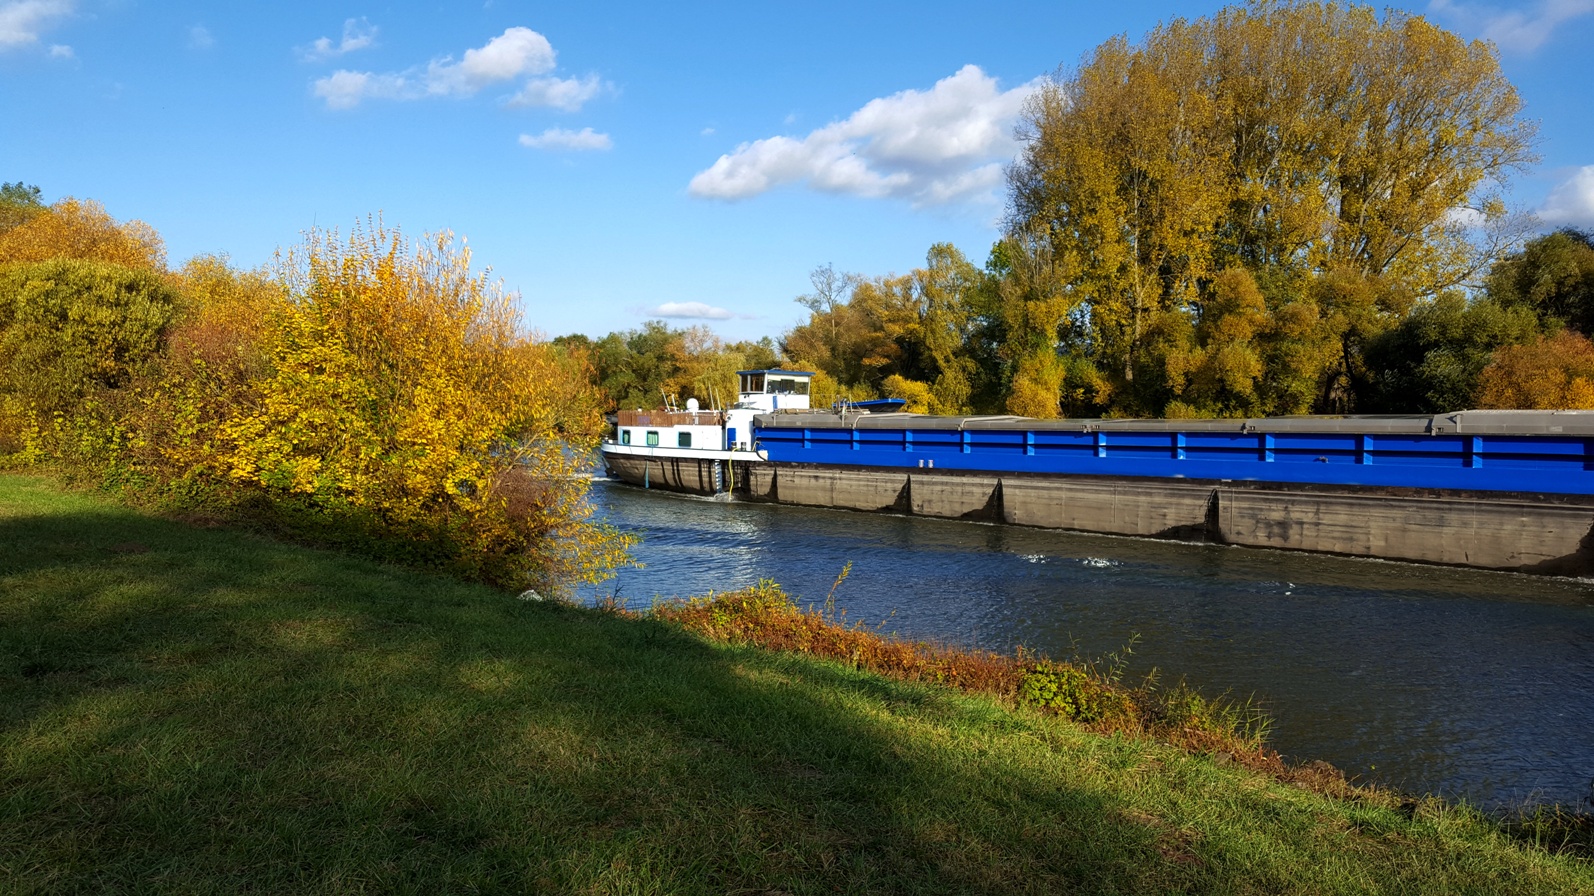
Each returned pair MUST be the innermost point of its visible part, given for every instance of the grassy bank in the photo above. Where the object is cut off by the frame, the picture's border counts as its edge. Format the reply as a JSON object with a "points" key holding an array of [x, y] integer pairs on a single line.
{"points": [[193, 710]]}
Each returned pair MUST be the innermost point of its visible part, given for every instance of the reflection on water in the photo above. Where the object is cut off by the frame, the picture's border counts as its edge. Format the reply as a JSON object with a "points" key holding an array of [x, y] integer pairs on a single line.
{"points": [[1468, 684]]}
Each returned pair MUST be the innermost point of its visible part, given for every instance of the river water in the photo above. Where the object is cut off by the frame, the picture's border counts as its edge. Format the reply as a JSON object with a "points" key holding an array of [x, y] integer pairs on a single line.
{"points": [[1471, 685]]}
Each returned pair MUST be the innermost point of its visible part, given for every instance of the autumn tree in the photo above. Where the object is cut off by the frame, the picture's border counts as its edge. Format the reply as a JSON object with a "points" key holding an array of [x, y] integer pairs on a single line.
{"points": [[215, 351], [823, 344], [916, 331], [854, 339], [1295, 141], [709, 365], [945, 290], [1553, 373], [1037, 333], [82, 229]]}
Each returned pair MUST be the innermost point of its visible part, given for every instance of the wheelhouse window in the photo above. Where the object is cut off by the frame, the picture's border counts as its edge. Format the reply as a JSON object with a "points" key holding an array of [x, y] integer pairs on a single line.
{"points": [[683, 440], [752, 382], [788, 386], [653, 438]]}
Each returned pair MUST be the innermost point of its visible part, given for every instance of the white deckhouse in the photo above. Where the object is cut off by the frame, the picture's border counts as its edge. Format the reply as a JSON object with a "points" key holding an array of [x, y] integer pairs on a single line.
{"points": [[692, 449]]}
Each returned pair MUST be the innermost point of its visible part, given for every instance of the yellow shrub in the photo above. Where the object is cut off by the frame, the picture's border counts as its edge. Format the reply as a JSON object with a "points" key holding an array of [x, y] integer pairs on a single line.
{"points": [[83, 229], [915, 393], [399, 386], [385, 384], [213, 355]]}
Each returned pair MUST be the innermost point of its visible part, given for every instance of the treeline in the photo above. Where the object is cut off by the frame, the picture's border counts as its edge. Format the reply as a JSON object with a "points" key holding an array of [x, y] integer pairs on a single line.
{"points": [[1285, 208], [369, 389], [645, 367], [941, 337]]}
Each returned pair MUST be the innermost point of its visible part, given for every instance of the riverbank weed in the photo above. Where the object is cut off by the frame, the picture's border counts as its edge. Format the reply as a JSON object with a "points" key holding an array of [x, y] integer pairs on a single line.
{"points": [[1554, 829], [1092, 694]]}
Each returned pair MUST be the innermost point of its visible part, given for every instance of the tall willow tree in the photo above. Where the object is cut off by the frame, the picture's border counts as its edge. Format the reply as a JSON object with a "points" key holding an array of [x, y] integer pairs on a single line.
{"points": [[1291, 141]]}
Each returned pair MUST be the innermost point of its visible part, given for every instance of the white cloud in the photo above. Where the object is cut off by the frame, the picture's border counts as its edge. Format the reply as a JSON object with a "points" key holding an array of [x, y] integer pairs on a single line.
{"points": [[518, 51], [200, 38], [22, 21], [1571, 203], [1516, 30], [61, 51], [559, 138], [357, 35], [689, 311], [947, 144], [1466, 217], [568, 94], [345, 89]]}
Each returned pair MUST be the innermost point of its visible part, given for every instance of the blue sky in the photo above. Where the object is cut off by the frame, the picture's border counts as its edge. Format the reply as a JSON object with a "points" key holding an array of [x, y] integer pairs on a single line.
{"points": [[615, 162]]}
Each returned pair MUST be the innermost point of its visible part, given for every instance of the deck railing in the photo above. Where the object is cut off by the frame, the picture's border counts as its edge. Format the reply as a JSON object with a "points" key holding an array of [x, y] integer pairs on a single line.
{"points": [[669, 418]]}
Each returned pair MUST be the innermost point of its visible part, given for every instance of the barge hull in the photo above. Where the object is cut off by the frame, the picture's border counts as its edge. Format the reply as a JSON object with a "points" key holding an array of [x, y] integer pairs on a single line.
{"points": [[1518, 532], [690, 475]]}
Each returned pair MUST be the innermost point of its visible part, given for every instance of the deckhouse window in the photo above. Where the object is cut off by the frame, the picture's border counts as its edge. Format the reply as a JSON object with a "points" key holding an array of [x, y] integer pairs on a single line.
{"points": [[625, 436], [653, 438], [683, 440]]}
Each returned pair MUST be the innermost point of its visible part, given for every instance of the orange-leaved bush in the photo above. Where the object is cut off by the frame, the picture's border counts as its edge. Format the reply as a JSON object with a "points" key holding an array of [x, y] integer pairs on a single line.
{"points": [[1556, 372], [82, 229]]}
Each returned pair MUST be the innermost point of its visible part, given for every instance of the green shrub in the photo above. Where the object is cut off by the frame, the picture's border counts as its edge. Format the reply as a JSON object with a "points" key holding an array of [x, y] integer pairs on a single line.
{"points": [[70, 330], [1073, 693]]}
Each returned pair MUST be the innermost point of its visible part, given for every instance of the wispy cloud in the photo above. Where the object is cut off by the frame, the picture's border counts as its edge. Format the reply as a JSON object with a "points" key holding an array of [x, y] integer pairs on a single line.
{"points": [[23, 21], [1571, 203], [583, 140], [689, 311], [943, 145], [568, 94], [200, 38], [357, 35], [517, 53], [1517, 30]]}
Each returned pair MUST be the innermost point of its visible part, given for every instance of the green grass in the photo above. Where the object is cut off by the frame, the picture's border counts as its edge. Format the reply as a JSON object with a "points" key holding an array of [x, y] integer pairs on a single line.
{"points": [[197, 710]]}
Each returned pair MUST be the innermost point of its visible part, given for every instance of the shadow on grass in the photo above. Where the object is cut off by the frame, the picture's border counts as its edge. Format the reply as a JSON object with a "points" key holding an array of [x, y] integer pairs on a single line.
{"points": [[218, 706], [210, 711]]}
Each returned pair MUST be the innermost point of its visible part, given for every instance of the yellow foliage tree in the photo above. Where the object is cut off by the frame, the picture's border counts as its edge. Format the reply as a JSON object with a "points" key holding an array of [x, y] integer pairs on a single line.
{"points": [[396, 389], [1297, 140], [1037, 385], [916, 394], [1554, 373], [82, 229]]}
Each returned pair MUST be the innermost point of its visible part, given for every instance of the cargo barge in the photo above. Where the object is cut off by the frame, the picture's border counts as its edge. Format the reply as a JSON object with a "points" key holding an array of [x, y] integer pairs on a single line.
{"points": [[1496, 489]]}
